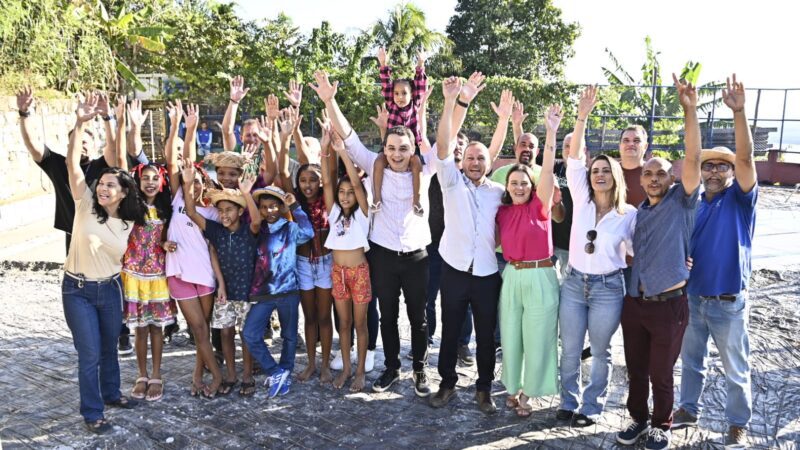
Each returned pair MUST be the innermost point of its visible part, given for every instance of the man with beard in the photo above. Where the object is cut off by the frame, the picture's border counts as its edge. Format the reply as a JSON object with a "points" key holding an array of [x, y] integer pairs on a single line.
{"points": [[632, 148], [718, 300], [655, 310]]}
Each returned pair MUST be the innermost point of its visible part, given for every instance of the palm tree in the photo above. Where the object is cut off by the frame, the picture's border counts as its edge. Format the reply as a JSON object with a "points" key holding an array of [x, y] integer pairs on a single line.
{"points": [[405, 33]]}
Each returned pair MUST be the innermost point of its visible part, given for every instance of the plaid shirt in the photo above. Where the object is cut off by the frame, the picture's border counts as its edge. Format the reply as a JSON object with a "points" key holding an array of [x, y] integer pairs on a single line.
{"points": [[406, 116]]}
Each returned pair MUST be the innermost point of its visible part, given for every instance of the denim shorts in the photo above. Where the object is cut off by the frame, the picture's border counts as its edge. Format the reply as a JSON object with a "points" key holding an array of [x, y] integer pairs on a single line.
{"points": [[314, 273]]}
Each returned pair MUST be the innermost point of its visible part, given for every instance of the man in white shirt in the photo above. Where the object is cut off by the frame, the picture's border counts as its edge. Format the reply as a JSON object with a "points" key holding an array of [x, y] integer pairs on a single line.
{"points": [[469, 271], [397, 257]]}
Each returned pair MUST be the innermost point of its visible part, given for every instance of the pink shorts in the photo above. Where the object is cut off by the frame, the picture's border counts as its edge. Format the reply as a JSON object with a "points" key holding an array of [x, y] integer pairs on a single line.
{"points": [[182, 290]]}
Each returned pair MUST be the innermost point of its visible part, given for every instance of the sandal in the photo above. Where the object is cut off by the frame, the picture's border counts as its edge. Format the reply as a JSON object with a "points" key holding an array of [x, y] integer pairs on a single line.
{"points": [[418, 210], [375, 207], [227, 387], [196, 390], [512, 402], [248, 388], [160, 384], [140, 380], [123, 402], [100, 426], [524, 408]]}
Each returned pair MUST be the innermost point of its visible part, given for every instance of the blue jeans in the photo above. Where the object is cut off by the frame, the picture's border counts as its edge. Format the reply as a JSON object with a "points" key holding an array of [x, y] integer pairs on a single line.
{"points": [[434, 279], [593, 303], [726, 322], [94, 313], [257, 321]]}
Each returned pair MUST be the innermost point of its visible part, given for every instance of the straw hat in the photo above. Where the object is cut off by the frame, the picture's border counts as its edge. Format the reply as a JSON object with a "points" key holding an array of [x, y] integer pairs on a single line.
{"points": [[227, 159], [231, 195], [723, 153], [269, 190]]}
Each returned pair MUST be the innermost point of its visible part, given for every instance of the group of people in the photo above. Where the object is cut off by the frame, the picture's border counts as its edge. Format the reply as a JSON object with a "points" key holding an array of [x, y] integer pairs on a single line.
{"points": [[528, 255]]}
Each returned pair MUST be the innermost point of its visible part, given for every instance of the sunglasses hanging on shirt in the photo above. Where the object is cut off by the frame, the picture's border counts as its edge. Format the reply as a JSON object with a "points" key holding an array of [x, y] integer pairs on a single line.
{"points": [[591, 235]]}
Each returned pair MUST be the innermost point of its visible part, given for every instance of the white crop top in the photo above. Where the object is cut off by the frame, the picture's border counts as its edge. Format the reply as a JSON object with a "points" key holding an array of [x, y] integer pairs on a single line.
{"points": [[347, 233]]}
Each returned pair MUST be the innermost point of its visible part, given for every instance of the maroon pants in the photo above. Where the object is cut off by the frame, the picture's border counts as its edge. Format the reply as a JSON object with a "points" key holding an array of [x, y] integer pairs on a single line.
{"points": [[653, 333]]}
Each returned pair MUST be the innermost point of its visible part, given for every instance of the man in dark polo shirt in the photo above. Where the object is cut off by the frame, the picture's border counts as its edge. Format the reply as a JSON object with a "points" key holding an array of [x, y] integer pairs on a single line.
{"points": [[632, 147], [718, 300], [655, 311]]}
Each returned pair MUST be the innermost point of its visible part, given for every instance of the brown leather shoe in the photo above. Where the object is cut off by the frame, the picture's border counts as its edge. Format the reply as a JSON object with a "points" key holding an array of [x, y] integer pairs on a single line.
{"points": [[485, 402], [442, 397]]}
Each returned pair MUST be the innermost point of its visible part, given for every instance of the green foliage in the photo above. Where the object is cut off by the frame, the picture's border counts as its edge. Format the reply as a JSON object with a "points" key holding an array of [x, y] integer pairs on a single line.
{"points": [[525, 39]]}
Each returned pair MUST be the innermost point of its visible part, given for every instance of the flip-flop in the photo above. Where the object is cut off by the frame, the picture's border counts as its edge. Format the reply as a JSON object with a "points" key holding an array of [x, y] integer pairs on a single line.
{"points": [[123, 402], [524, 409], [226, 387], [100, 426], [160, 394], [196, 390], [245, 386], [138, 381]]}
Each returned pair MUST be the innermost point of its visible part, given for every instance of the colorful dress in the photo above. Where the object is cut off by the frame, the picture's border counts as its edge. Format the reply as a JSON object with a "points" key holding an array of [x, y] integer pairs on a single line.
{"points": [[144, 279]]}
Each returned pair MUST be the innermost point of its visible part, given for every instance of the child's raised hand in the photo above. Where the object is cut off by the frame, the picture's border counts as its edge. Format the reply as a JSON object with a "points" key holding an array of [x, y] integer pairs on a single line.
{"points": [[188, 171], [382, 56], [421, 59], [382, 119], [272, 107], [119, 110], [294, 94], [337, 144], [324, 88], [289, 199], [246, 182]]}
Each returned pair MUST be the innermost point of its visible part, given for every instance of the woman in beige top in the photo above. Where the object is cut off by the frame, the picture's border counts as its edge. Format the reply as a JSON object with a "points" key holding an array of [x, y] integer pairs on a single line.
{"points": [[91, 292]]}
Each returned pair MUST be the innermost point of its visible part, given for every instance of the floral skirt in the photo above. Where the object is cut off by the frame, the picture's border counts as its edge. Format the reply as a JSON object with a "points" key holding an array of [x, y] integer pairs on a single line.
{"points": [[147, 300]]}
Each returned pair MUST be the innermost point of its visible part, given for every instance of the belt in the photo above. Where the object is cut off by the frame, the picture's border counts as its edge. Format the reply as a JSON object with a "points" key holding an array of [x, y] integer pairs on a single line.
{"points": [[664, 296], [81, 279], [532, 264], [722, 298]]}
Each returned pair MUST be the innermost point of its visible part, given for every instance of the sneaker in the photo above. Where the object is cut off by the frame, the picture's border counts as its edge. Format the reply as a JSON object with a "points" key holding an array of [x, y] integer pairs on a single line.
{"points": [[124, 347], [369, 361], [286, 385], [657, 439], [386, 380], [586, 353], [276, 381], [338, 364], [682, 417], [421, 387], [465, 355], [736, 438], [632, 432]]}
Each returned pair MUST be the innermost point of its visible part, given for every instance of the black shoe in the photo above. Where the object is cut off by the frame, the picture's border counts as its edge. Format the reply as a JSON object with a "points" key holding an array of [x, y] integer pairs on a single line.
{"points": [[442, 397], [582, 421], [124, 403], [124, 347], [564, 414], [485, 402], [586, 353], [99, 427], [169, 330], [421, 387], [386, 380], [465, 355]]}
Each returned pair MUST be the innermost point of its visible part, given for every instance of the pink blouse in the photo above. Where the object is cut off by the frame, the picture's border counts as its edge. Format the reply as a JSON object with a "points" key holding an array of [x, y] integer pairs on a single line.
{"points": [[525, 231]]}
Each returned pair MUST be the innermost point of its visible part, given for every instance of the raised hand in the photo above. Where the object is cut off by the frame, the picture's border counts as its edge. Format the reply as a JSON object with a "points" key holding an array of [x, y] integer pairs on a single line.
{"points": [[175, 112], [248, 151], [687, 93], [289, 199], [119, 111], [135, 113], [518, 114], [246, 182], [552, 118], [188, 171], [264, 130], [24, 99], [192, 115], [286, 123], [294, 94], [87, 107], [337, 144], [238, 91], [324, 122], [421, 58], [272, 107], [103, 105], [587, 101], [472, 87], [451, 87], [324, 89], [506, 106], [382, 119], [382, 56], [733, 95]]}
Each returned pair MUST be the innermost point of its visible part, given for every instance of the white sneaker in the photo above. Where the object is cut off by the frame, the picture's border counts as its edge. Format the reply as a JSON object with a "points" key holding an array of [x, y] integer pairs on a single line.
{"points": [[369, 361], [337, 363]]}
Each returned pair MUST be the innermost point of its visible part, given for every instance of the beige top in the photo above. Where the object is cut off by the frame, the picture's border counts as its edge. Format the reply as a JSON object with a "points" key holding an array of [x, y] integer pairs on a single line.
{"points": [[96, 249]]}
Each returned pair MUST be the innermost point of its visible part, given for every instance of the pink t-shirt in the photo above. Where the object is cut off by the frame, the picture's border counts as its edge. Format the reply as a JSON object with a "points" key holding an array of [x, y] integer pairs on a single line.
{"points": [[525, 231], [191, 261]]}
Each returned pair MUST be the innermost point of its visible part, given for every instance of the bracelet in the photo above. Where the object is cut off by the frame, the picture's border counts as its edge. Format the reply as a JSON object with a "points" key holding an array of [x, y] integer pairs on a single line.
{"points": [[581, 120], [24, 113], [233, 101], [460, 102], [106, 118]]}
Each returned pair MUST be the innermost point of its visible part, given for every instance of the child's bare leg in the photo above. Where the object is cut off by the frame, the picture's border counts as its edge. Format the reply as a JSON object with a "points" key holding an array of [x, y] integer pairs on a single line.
{"points": [[360, 318], [377, 181], [343, 309], [229, 352], [416, 172], [308, 302], [140, 343]]}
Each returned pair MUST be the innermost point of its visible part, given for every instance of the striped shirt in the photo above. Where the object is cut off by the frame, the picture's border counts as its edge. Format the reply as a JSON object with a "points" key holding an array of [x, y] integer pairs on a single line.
{"points": [[407, 115], [395, 227]]}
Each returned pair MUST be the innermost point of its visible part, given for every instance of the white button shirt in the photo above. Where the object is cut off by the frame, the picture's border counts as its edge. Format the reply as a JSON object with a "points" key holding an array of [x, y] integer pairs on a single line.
{"points": [[469, 219], [614, 231], [395, 226]]}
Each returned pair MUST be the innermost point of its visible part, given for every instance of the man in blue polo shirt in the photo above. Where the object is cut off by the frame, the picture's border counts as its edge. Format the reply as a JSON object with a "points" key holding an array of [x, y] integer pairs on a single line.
{"points": [[655, 311], [721, 247]]}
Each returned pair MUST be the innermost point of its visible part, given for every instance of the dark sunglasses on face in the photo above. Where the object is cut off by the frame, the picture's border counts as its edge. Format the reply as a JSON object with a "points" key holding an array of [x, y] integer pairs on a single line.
{"points": [[591, 235], [721, 167]]}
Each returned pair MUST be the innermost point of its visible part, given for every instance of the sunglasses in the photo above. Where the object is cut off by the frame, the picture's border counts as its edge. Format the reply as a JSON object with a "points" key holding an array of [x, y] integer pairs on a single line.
{"points": [[591, 235], [721, 167]]}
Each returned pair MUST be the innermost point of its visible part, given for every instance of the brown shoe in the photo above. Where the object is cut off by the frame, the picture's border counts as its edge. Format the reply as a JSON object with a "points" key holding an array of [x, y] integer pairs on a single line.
{"points": [[485, 402], [736, 438], [442, 397]]}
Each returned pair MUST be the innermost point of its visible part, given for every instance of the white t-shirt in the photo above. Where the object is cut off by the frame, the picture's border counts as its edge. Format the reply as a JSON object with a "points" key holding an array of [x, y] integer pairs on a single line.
{"points": [[190, 261], [347, 233]]}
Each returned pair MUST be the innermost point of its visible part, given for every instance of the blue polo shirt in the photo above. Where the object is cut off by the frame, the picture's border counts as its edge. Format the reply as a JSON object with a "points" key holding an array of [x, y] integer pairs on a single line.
{"points": [[722, 242], [237, 257]]}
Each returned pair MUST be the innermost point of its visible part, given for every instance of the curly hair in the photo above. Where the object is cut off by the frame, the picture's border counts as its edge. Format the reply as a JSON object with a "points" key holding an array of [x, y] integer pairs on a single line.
{"points": [[132, 207]]}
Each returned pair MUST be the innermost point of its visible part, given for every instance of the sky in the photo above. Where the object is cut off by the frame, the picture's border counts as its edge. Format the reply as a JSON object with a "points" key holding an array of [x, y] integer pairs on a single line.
{"points": [[759, 42]]}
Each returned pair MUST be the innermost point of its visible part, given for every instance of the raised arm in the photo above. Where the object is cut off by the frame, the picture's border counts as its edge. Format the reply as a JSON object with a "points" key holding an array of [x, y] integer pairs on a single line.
{"points": [[175, 114], [382, 120], [546, 180], [121, 145], [445, 138], [328, 163], [420, 79], [246, 183], [270, 168], [734, 96], [294, 94], [190, 138], [690, 173], [585, 105], [32, 139], [326, 91], [188, 194], [503, 112], [352, 173], [518, 116], [286, 124], [237, 93], [385, 76], [273, 112], [469, 91], [104, 111], [137, 119], [422, 121], [85, 112]]}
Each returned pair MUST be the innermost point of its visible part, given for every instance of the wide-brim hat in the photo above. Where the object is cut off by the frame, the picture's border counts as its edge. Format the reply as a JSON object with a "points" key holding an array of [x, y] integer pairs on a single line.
{"points": [[269, 190], [723, 153], [231, 195], [227, 159]]}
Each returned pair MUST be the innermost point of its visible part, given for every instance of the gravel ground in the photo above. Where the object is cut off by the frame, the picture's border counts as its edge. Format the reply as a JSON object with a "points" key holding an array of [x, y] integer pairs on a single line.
{"points": [[39, 406]]}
